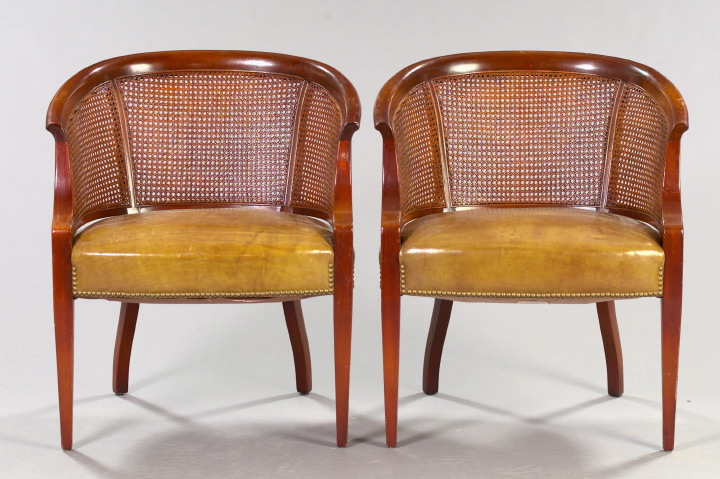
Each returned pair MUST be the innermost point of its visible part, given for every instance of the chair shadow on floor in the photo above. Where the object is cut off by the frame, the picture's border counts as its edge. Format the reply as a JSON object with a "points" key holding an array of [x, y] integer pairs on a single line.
{"points": [[526, 446]]}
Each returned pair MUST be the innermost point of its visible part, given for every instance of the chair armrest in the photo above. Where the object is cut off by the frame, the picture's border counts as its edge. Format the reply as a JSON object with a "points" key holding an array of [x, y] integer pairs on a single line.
{"points": [[672, 213], [342, 220], [391, 216], [62, 220], [672, 222], [62, 231], [342, 210]]}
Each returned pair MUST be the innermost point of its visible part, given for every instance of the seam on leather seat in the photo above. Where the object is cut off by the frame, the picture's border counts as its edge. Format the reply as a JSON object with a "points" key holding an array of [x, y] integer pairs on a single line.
{"points": [[415, 292], [251, 294]]}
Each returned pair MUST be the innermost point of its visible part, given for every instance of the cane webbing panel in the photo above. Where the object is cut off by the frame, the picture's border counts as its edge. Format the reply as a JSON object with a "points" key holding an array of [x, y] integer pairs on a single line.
{"points": [[210, 136], [317, 150], [99, 177], [417, 143], [638, 154], [526, 138]]}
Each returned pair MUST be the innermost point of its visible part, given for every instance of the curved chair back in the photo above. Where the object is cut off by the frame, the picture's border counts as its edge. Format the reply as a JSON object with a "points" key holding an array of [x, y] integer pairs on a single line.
{"points": [[530, 129], [203, 128]]}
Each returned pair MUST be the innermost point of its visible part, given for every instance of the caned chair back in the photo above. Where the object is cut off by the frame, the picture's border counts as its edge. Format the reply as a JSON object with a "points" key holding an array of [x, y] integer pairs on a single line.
{"points": [[530, 129], [184, 129]]}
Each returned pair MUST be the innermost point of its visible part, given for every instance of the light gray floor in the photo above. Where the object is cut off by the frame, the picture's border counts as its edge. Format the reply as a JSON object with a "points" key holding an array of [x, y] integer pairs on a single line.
{"points": [[522, 390], [522, 395]]}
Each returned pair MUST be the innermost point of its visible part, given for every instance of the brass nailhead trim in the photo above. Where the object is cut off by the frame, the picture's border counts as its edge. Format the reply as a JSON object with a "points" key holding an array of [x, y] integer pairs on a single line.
{"points": [[253, 294], [415, 292], [259, 294]]}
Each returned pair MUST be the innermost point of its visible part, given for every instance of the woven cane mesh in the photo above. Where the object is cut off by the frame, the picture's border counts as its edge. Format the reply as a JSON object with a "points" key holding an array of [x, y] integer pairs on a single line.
{"points": [[638, 154], [526, 138], [417, 145], [210, 136], [99, 177], [317, 149]]}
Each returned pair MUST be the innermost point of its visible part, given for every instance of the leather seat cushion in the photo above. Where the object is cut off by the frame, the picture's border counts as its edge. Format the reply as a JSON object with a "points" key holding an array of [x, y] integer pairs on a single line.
{"points": [[530, 254], [199, 253]]}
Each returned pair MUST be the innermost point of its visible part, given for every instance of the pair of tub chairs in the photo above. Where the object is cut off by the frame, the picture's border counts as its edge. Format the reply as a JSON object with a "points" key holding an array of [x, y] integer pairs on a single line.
{"points": [[224, 176]]}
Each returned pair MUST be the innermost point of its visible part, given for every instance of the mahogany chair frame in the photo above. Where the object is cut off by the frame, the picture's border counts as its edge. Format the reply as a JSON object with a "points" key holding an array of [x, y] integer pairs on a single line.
{"points": [[66, 222], [670, 227]]}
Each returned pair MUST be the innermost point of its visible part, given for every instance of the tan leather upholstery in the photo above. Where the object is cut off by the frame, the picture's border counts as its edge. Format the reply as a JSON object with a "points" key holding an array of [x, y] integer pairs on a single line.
{"points": [[224, 252], [520, 254]]}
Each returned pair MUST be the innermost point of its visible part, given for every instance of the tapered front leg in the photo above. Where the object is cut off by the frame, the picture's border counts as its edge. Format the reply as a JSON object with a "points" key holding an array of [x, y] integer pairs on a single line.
{"points": [[390, 283], [671, 316], [613, 349], [390, 306], [63, 304], [391, 358], [299, 343], [64, 333], [343, 303], [123, 346]]}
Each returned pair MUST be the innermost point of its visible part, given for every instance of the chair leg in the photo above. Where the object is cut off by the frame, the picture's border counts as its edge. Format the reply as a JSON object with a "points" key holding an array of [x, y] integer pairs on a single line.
{"points": [[343, 335], [64, 338], [299, 343], [613, 348], [390, 304], [123, 346], [671, 315], [391, 363], [435, 341]]}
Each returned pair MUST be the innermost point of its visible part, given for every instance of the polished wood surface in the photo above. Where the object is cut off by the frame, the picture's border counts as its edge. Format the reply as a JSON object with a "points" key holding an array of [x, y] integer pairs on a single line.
{"points": [[66, 222], [143, 63], [670, 226], [390, 289], [673, 237], [343, 298], [649, 79], [62, 236], [433, 349], [300, 348], [123, 346], [64, 336], [613, 350]]}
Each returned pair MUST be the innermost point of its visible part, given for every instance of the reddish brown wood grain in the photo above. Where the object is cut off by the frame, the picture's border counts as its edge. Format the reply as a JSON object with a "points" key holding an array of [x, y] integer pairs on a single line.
{"points": [[343, 285], [613, 349], [61, 237], [64, 333], [433, 349], [300, 348], [390, 286], [123, 346], [673, 237]]}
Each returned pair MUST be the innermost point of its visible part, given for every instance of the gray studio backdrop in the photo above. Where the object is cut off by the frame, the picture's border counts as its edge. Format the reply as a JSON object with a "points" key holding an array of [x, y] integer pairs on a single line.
{"points": [[522, 387]]}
